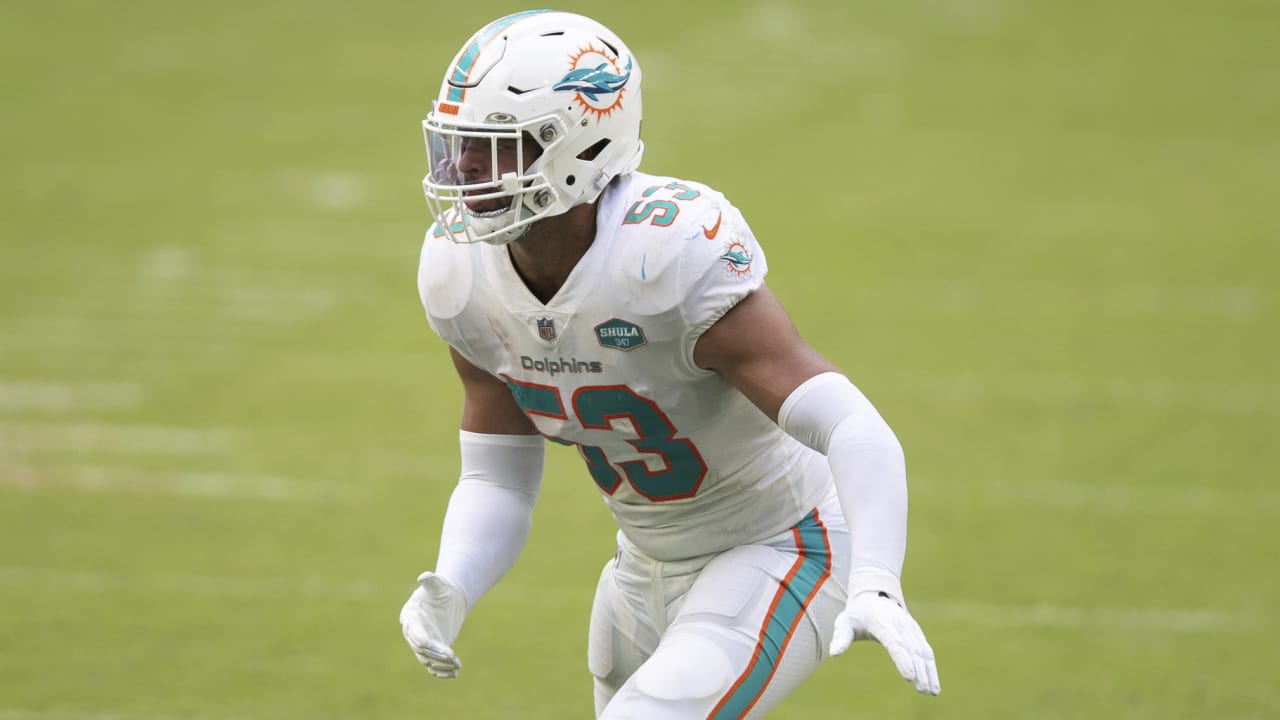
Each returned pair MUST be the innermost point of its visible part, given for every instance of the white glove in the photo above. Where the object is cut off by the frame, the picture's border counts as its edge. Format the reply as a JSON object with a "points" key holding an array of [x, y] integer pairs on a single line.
{"points": [[431, 620], [877, 615]]}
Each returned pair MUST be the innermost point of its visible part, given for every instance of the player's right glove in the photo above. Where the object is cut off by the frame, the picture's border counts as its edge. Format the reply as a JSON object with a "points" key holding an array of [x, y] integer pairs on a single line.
{"points": [[431, 620]]}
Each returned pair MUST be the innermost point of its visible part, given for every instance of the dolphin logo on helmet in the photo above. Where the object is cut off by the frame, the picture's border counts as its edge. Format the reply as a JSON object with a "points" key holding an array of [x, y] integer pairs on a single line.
{"points": [[594, 82]]}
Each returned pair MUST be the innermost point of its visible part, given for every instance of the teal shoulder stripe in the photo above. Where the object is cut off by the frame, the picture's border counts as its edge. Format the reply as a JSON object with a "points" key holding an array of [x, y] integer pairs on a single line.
{"points": [[482, 38], [792, 601]]}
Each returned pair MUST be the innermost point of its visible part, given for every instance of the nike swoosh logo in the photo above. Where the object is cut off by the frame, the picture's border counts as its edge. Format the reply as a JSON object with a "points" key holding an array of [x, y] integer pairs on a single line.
{"points": [[715, 229]]}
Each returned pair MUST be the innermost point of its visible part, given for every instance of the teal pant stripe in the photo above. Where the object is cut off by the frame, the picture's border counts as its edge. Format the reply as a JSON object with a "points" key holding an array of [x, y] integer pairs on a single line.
{"points": [[790, 605], [468, 59]]}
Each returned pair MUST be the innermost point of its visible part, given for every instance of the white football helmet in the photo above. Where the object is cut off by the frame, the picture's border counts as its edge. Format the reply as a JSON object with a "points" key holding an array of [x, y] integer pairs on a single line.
{"points": [[566, 85]]}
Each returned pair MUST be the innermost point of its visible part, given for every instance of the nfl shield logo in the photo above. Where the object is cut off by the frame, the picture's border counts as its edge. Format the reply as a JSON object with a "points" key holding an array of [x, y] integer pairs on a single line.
{"points": [[546, 328]]}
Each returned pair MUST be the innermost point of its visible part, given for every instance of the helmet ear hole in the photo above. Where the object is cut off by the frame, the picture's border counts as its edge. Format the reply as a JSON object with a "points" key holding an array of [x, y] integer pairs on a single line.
{"points": [[594, 151], [570, 180], [609, 45]]}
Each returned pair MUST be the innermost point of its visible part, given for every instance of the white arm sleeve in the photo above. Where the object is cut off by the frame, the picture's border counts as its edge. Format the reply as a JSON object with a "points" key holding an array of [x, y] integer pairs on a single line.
{"points": [[491, 510], [830, 415]]}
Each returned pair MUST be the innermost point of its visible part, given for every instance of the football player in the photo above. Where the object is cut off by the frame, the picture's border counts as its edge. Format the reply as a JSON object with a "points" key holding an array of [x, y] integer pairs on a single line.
{"points": [[761, 500]]}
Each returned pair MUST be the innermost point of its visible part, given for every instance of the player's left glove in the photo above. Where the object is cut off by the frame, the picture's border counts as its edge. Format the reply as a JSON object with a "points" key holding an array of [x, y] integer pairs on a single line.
{"points": [[431, 620], [876, 614]]}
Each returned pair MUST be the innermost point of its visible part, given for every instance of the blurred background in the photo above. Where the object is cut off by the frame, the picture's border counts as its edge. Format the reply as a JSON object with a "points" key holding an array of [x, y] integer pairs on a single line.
{"points": [[1041, 236]]}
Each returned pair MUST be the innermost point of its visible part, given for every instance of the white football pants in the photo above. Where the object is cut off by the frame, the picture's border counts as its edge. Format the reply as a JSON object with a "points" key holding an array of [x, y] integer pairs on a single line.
{"points": [[719, 636]]}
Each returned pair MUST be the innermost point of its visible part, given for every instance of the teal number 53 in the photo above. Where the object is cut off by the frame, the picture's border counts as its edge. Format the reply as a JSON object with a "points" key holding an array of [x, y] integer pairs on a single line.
{"points": [[599, 408], [660, 212]]}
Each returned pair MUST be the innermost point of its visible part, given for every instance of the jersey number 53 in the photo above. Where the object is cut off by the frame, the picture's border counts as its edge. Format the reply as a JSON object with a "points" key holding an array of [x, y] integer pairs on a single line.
{"points": [[599, 407]]}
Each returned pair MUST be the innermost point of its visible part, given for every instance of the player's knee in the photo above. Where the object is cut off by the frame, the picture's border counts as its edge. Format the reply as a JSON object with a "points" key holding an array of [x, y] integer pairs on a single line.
{"points": [[687, 666]]}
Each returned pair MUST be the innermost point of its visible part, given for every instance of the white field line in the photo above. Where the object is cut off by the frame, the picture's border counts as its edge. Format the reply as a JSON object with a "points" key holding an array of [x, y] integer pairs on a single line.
{"points": [[22, 438], [1232, 303], [970, 614], [1217, 398], [17, 576], [51, 396], [114, 336], [80, 355], [83, 714], [77, 714], [1101, 496], [87, 327], [190, 312], [1060, 617], [179, 483]]}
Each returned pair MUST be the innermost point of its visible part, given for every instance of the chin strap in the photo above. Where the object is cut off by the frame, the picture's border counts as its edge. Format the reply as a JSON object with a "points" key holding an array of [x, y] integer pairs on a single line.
{"points": [[496, 226]]}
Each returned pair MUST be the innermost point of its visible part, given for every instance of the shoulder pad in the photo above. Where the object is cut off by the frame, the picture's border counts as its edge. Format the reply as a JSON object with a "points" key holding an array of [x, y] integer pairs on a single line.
{"points": [[673, 235], [444, 276]]}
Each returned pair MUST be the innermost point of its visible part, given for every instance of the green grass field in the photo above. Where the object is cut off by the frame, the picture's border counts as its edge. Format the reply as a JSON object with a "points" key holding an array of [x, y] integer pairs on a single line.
{"points": [[1040, 235]]}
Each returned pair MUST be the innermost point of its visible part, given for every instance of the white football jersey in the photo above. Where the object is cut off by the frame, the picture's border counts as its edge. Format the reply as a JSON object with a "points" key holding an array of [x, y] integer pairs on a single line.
{"points": [[685, 462]]}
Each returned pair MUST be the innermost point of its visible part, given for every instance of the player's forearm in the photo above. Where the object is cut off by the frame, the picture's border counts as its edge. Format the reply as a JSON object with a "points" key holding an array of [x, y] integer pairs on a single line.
{"points": [[491, 510], [830, 415], [871, 482]]}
